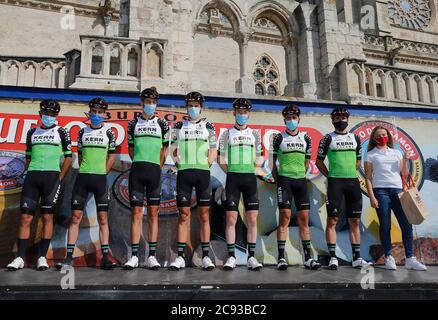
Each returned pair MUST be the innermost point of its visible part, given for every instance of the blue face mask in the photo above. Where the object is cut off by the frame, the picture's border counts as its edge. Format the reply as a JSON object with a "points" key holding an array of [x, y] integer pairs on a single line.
{"points": [[291, 124], [242, 119], [194, 112], [149, 109], [96, 119], [48, 121]]}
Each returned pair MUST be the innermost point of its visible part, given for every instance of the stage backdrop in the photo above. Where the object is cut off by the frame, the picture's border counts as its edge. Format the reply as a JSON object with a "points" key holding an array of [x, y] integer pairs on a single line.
{"points": [[415, 136]]}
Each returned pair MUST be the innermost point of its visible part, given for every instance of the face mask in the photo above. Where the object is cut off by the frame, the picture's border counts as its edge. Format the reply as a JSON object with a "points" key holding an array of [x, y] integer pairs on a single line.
{"points": [[194, 112], [149, 109], [382, 141], [242, 119], [48, 121], [96, 119], [340, 125], [292, 124]]}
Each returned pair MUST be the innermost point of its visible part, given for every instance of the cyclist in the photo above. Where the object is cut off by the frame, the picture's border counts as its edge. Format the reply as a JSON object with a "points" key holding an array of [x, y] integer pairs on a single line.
{"points": [[293, 149], [195, 139], [344, 153], [240, 153], [147, 139], [44, 147], [96, 147]]}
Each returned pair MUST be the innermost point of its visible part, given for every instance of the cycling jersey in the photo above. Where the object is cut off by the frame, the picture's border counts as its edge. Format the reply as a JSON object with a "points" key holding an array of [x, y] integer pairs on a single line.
{"points": [[147, 136], [292, 152], [44, 147], [241, 147], [94, 144], [342, 151], [194, 140]]}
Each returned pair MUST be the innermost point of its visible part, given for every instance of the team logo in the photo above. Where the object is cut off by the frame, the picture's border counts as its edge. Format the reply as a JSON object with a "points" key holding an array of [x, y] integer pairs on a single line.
{"points": [[12, 167], [168, 205], [402, 142]]}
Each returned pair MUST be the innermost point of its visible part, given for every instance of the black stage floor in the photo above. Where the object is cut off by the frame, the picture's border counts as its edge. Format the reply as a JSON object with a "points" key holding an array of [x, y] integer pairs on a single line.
{"points": [[269, 283]]}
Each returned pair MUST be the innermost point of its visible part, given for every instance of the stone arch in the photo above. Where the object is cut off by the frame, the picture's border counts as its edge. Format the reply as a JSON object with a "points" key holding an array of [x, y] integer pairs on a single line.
{"points": [[115, 60], [154, 60], [229, 8], [393, 85], [30, 69], [405, 89], [46, 75], [357, 76], [13, 68], [97, 56], [380, 83], [133, 60], [370, 84], [287, 22], [428, 89], [418, 87]]}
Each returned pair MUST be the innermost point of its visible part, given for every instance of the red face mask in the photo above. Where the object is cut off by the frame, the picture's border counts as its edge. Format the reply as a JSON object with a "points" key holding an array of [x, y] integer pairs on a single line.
{"points": [[382, 141]]}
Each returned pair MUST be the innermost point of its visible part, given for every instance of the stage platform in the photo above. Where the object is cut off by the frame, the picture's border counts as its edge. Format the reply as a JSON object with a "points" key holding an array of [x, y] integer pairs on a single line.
{"points": [[269, 283]]}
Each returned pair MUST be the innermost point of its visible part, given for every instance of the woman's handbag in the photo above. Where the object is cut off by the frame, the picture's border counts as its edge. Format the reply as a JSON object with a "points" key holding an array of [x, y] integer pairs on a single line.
{"points": [[411, 202]]}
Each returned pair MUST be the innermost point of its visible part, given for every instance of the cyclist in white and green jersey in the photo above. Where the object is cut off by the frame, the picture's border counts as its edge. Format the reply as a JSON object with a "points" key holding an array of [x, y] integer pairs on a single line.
{"points": [[344, 153], [148, 136], [194, 150], [44, 147], [96, 147], [293, 149], [240, 154]]}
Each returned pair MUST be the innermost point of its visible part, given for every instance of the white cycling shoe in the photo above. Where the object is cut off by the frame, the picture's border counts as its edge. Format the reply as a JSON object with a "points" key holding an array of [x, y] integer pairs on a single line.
{"points": [[18, 263], [334, 263], [359, 263], [178, 263], [152, 263], [42, 264], [207, 264], [131, 264], [253, 264], [230, 264]]}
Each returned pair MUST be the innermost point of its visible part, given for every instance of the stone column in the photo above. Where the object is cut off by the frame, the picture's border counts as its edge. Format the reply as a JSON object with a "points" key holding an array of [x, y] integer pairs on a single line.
{"points": [[246, 82], [307, 77], [124, 62], [86, 57], [328, 22], [3, 72], [291, 55], [106, 60]]}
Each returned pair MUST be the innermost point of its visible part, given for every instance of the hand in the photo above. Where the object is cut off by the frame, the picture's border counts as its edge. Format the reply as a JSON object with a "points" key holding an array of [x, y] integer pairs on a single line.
{"points": [[374, 203], [406, 157]]}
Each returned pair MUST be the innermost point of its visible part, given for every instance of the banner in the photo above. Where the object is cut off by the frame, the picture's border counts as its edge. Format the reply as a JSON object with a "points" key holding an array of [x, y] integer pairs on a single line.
{"points": [[411, 136]]}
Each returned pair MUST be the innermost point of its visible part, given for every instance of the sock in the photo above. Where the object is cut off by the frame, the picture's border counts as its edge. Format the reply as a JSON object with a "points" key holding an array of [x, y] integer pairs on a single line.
{"points": [[307, 249], [44, 246], [181, 247], [70, 250], [205, 248], [105, 249], [251, 249], [230, 248], [332, 249], [152, 248], [134, 249], [21, 243], [356, 251], [280, 245]]}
